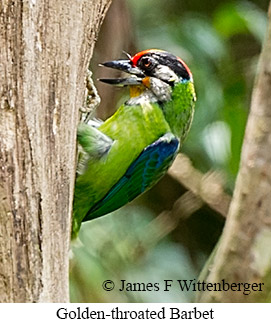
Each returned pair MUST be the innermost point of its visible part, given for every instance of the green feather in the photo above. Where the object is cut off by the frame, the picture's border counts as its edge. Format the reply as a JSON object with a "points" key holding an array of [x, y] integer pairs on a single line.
{"points": [[109, 150], [143, 173]]}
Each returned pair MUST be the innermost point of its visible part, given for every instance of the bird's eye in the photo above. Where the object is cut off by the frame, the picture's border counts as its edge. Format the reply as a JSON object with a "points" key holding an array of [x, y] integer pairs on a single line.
{"points": [[147, 63]]}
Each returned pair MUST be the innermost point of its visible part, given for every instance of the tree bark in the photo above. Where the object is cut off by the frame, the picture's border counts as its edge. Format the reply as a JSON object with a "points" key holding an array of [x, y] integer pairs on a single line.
{"points": [[244, 253], [45, 50]]}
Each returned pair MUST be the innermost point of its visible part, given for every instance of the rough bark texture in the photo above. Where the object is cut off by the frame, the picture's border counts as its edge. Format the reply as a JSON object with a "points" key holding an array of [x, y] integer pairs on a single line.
{"points": [[244, 252], [45, 50]]}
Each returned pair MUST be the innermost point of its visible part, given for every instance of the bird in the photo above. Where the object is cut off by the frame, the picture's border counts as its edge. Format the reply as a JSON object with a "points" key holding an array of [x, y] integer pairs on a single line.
{"points": [[124, 156]]}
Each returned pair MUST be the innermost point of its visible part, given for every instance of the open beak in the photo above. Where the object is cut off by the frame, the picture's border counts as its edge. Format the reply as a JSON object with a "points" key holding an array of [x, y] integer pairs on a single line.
{"points": [[124, 65]]}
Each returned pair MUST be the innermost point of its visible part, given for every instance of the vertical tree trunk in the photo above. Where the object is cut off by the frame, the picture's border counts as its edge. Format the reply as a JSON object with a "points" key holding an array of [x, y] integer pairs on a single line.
{"points": [[45, 50], [244, 252]]}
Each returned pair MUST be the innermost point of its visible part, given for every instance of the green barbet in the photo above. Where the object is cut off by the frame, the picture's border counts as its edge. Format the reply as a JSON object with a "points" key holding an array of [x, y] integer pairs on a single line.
{"points": [[129, 152]]}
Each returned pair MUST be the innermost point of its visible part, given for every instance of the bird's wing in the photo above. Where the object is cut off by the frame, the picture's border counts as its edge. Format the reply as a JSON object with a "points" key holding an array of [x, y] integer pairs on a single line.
{"points": [[143, 173], [93, 144], [95, 122]]}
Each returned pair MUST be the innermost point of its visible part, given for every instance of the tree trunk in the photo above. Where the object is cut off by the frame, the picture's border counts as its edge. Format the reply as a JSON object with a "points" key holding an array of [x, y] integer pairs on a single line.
{"points": [[244, 252], [44, 54]]}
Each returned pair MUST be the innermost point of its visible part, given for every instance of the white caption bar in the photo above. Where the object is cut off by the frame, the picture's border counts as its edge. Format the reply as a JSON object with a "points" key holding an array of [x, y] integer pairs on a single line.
{"points": [[135, 312]]}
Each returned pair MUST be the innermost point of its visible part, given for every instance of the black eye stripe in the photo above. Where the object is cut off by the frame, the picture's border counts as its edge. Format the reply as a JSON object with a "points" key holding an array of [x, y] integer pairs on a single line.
{"points": [[164, 58]]}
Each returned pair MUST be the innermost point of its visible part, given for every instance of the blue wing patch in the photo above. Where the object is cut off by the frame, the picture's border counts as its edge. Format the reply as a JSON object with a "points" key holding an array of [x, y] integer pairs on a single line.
{"points": [[143, 173]]}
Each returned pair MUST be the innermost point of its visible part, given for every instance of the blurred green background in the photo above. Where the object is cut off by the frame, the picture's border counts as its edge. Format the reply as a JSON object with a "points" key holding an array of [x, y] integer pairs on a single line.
{"points": [[220, 41]]}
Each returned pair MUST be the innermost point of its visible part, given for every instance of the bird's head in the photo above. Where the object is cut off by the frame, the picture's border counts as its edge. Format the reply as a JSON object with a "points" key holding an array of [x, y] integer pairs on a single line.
{"points": [[153, 74]]}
